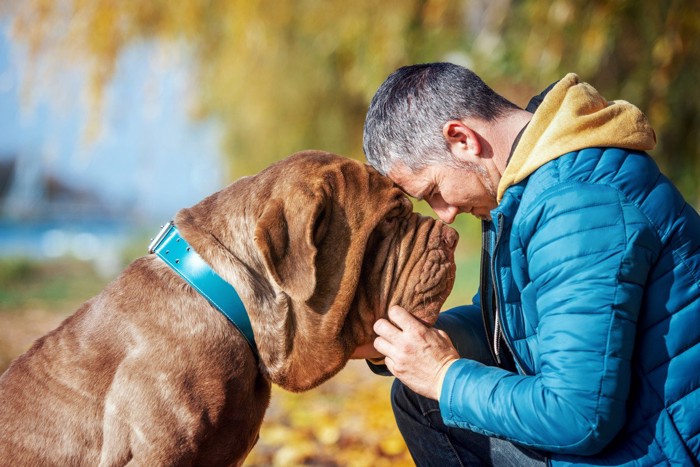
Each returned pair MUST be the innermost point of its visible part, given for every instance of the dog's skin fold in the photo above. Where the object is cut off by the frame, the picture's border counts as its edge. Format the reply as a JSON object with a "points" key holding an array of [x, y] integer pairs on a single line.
{"points": [[149, 373]]}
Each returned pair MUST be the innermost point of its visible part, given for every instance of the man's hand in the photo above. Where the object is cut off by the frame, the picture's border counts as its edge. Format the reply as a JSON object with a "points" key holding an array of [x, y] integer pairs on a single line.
{"points": [[418, 355]]}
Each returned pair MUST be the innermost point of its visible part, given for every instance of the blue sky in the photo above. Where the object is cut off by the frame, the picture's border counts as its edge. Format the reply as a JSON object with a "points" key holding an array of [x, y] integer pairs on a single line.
{"points": [[150, 157]]}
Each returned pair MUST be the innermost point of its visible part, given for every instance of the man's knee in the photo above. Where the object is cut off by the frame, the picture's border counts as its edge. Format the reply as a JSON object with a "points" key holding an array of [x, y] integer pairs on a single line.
{"points": [[399, 399], [405, 402]]}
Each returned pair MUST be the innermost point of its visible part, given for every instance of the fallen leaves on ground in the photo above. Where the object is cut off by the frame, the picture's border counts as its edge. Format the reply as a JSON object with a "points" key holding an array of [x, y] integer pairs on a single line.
{"points": [[346, 421]]}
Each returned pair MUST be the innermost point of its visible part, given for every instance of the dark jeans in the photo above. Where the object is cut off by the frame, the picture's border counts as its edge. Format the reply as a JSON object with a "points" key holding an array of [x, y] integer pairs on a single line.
{"points": [[429, 440]]}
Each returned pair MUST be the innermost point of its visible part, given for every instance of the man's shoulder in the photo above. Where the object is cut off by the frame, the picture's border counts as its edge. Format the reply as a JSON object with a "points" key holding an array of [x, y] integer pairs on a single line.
{"points": [[590, 175], [622, 169]]}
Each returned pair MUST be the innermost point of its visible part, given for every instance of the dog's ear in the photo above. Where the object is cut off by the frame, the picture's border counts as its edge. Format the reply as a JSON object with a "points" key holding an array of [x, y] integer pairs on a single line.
{"points": [[288, 248]]}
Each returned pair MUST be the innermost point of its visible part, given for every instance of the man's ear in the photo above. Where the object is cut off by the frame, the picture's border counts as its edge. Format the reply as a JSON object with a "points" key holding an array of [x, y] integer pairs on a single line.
{"points": [[462, 140], [286, 241]]}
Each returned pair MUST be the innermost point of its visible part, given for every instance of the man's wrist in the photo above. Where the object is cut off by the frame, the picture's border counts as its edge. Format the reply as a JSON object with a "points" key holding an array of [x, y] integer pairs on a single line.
{"points": [[441, 377]]}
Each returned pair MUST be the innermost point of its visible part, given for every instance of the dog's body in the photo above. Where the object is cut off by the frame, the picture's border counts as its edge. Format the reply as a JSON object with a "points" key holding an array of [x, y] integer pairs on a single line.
{"points": [[317, 246]]}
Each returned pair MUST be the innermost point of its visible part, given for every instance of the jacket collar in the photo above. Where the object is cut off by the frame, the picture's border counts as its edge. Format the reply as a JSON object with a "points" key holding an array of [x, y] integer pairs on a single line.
{"points": [[531, 107], [569, 116]]}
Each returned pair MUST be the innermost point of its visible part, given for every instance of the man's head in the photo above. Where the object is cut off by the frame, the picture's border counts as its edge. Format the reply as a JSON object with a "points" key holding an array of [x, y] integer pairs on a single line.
{"points": [[415, 132], [406, 116]]}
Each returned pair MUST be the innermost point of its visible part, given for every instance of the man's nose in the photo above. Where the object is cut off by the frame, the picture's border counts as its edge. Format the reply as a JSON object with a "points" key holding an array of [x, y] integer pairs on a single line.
{"points": [[446, 213]]}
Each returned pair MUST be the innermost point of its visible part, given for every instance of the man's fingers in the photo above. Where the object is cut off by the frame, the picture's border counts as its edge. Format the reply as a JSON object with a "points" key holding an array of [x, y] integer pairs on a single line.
{"points": [[389, 363], [402, 318], [383, 346], [445, 336], [385, 329]]}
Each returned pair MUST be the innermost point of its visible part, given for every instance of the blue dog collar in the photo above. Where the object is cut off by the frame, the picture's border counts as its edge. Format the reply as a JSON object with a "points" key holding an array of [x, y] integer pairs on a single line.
{"points": [[181, 257]]}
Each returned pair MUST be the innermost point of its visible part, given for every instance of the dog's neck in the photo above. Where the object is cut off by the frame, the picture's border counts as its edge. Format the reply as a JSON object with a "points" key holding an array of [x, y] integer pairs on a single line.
{"points": [[222, 228], [232, 254], [177, 253]]}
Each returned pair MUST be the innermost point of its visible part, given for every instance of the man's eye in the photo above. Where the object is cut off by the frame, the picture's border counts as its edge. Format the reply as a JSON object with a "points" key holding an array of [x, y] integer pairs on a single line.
{"points": [[433, 191]]}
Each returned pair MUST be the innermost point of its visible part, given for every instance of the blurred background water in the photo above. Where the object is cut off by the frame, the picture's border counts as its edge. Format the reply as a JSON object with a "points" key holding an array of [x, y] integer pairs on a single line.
{"points": [[64, 195]]}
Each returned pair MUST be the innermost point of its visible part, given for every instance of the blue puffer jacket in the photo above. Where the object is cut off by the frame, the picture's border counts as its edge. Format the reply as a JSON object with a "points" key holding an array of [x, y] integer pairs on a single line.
{"points": [[595, 264]]}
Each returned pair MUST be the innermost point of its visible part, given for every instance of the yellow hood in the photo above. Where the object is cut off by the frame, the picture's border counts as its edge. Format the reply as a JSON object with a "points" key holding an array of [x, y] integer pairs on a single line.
{"points": [[573, 116]]}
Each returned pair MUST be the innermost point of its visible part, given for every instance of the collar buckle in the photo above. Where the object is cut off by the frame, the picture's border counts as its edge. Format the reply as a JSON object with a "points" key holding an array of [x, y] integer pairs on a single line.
{"points": [[159, 238]]}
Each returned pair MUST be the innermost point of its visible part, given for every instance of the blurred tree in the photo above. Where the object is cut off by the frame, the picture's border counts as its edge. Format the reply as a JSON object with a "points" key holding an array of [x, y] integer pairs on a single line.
{"points": [[285, 75], [643, 51], [281, 75]]}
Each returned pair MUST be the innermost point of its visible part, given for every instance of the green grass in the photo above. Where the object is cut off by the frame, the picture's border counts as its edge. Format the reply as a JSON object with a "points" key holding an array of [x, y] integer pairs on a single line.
{"points": [[56, 284], [466, 283]]}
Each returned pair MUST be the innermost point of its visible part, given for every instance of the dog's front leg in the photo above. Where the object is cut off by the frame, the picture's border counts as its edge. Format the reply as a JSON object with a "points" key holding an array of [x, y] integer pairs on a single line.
{"points": [[148, 420]]}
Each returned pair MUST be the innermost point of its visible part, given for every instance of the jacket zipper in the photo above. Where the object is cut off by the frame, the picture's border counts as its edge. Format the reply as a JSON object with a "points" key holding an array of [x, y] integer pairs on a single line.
{"points": [[498, 328], [485, 290], [497, 315]]}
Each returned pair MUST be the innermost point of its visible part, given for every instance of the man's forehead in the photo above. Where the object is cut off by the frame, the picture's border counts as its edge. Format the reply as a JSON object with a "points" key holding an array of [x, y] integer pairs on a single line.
{"points": [[413, 183]]}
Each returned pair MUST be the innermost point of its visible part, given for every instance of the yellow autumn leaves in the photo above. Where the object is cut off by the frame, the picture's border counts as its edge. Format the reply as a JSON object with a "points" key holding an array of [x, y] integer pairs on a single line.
{"points": [[347, 421]]}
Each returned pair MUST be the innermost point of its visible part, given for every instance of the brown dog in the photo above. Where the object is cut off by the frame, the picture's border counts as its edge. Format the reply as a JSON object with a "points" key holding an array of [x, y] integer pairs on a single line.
{"points": [[149, 373]]}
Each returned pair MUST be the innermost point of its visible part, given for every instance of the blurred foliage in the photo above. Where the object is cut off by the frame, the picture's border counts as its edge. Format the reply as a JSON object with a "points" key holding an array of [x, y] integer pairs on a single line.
{"points": [[63, 283], [286, 75], [281, 75], [347, 421], [644, 51]]}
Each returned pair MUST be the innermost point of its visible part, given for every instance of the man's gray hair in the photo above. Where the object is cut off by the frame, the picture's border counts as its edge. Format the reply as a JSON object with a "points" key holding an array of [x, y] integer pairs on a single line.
{"points": [[406, 116]]}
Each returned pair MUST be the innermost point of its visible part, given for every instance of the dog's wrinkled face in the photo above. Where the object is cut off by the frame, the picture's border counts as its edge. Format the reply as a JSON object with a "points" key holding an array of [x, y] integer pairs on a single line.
{"points": [[342, 244], [409, 261]]}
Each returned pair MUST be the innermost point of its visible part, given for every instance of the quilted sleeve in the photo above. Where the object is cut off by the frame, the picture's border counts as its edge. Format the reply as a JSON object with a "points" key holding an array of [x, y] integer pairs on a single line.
{"points": [[588, 256]]}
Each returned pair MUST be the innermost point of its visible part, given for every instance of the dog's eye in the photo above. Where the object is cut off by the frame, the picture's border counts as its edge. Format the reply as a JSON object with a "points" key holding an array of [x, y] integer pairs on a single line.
{"points": [[400, 211], [403, 209], [392, 218]]}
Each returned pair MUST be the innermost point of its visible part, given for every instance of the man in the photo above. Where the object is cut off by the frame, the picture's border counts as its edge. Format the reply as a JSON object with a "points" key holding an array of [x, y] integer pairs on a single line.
{"points": [[589, 351]]}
